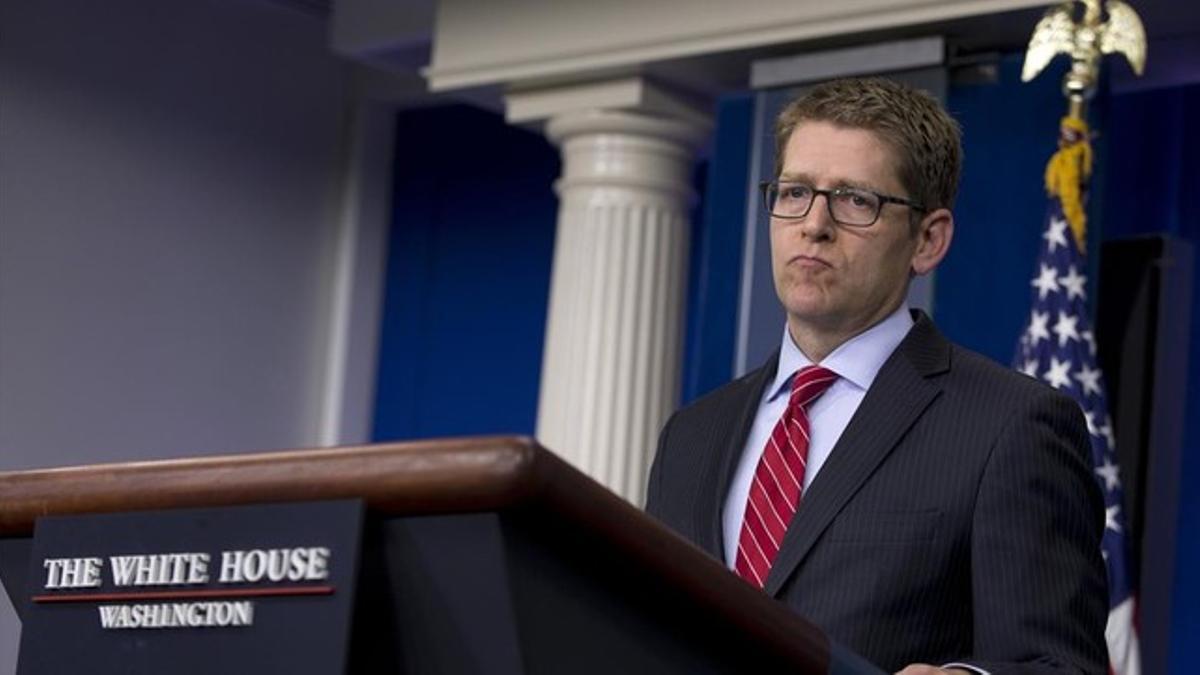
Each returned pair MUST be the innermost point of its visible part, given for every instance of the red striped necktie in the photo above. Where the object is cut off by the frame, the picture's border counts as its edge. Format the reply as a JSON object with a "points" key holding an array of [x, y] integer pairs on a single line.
{"points": [[779, 478]]}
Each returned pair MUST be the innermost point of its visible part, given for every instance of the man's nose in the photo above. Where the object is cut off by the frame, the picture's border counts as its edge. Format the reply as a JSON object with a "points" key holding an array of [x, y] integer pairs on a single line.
{"points": [[818, 223]]}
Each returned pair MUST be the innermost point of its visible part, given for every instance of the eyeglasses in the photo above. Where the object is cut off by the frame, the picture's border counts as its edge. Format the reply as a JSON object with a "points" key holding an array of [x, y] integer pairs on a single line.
{"points": [[853, 207]]}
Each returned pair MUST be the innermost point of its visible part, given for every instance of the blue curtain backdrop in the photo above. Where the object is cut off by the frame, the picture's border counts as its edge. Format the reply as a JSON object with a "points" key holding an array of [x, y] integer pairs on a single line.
{"points": [[468, 276], [716, 261], [981, 297]]}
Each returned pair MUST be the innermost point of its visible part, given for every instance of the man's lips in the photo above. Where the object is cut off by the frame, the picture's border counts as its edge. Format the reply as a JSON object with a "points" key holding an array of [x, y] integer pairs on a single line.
{"points": [[808, 261]]}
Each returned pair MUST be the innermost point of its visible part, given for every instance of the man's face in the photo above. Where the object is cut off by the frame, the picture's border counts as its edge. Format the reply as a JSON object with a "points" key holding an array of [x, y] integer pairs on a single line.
{"points": [[833, 279]]}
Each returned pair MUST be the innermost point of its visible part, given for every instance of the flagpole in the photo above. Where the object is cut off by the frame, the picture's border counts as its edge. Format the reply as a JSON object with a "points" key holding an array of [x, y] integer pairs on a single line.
{"points": [[1077, 107]]}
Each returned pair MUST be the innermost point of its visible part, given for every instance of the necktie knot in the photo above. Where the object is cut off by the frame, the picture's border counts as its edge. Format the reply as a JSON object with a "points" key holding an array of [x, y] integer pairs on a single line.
{"points": [[809, 383]]}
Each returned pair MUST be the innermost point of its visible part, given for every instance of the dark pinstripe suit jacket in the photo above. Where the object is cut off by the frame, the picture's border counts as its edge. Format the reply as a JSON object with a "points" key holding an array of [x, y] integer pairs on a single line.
{"points": [[957, 517]]}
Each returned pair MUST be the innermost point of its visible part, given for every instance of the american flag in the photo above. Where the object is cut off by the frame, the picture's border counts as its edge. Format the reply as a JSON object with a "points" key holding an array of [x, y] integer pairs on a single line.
{"points": [[1058, 347]]}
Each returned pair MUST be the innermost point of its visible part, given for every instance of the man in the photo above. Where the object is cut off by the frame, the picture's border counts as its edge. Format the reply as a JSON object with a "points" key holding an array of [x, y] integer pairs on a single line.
{"points": [[920, 503]]}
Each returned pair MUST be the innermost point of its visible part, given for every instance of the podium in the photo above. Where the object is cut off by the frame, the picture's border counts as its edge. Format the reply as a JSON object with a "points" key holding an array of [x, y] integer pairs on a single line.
{"points": [[483, 555]]}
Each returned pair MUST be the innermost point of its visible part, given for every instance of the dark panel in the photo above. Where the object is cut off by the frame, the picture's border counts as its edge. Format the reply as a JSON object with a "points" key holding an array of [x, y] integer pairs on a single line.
{"points": [[1142, 329], [528, 591], [582, 608], [438, 599]]}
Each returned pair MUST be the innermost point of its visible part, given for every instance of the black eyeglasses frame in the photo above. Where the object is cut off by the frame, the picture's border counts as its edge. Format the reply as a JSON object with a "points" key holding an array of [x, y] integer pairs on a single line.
{"points": [[828, 194]]}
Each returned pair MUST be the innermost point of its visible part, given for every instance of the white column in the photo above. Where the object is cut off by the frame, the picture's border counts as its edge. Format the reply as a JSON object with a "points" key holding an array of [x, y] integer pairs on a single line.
{"points": [[610, 373]]}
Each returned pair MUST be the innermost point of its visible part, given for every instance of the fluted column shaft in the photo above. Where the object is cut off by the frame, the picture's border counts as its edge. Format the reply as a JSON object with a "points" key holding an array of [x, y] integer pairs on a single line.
{"points": [[610, 373]]}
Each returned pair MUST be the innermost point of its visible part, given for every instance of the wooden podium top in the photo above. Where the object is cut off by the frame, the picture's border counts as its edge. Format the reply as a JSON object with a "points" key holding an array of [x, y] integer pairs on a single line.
{"points": [[425, 477]]}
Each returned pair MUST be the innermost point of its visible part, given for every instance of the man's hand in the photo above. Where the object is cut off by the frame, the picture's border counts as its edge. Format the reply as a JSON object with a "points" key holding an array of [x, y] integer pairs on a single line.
{"points": [[926, 669]]}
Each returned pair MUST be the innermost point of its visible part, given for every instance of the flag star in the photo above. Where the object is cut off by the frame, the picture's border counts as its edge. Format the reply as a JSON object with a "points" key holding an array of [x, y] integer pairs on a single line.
{"points": [[1037, 327], [1074, 283], [1106, 431], [1090, 339], [1065, 328], [1089, 379], [1056, 234], [1111, 474], [1110, 518], [1057, 376], [1030, 367], [1047, 282]]}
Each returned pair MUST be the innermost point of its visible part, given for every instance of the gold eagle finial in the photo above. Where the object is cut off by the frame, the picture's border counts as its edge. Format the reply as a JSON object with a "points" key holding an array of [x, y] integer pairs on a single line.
{"points": [[1085, 41]]}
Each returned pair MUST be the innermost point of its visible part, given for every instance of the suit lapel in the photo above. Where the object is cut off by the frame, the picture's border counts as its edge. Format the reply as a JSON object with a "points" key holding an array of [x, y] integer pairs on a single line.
{"points": [[720, 461], [901, 392]]}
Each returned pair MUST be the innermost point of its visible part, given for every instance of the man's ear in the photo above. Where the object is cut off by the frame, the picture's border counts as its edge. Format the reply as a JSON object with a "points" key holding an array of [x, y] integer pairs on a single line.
{"points": [[934, 233]]}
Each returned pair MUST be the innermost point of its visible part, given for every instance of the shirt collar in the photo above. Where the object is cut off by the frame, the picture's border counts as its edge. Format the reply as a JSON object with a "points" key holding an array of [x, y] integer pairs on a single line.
{"points": [[857, 360]]}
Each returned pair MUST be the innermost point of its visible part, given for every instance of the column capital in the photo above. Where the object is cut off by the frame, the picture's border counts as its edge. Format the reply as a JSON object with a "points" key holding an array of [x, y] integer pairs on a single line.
{"points": [[607, 150], [688, 133], [631, 105]]}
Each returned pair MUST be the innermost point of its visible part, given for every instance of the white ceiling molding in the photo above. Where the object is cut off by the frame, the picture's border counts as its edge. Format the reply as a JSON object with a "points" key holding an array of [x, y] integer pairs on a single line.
{"points": [[511, 41]]}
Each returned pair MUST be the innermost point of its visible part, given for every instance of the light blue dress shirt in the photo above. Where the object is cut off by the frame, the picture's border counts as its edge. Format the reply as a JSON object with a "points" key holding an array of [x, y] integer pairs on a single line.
{"points": [[856, 361]]}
